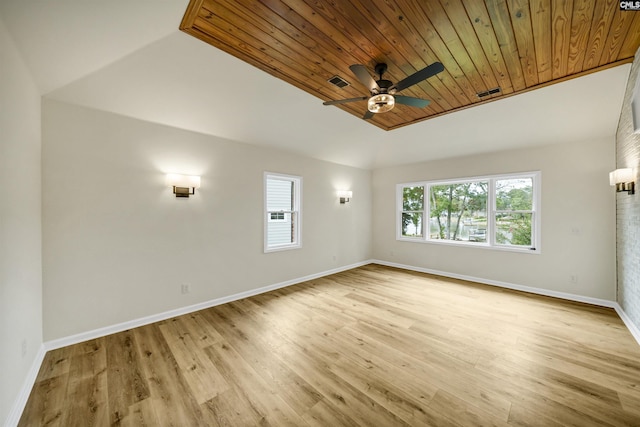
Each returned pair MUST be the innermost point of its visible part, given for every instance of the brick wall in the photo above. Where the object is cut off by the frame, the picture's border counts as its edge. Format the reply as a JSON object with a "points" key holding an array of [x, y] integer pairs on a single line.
{"points": [[628, 208]]}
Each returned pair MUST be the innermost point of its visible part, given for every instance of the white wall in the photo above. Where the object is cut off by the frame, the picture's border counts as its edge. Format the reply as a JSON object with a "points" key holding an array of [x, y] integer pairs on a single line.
{"points": [[578, 220], [117, 244], [20, 221]]}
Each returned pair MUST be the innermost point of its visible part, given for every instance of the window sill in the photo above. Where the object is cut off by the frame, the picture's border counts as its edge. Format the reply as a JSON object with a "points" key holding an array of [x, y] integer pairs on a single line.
{"points": [[480, 245], [281, 248]]}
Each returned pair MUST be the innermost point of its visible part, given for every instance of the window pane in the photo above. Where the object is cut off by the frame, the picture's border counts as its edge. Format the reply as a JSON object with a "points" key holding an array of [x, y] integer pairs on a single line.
{"points": [[279, 194], [282, 231], [459, 211], [513, 229], [412, 199], [514, 194], [412, 224]]}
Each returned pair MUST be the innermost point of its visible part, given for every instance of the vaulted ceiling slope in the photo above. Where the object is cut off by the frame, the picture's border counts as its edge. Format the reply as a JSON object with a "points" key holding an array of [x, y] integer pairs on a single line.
{"points": [[490, 49], [129, 57]]}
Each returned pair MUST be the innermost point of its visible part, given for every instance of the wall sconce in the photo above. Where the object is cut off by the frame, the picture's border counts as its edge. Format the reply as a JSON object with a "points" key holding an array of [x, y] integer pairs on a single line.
{"points": [[624, 180], [183, 185], [344, 196]]}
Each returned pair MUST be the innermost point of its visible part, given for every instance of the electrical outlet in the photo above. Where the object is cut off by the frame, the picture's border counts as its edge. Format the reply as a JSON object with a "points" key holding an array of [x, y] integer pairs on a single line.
{"points": [[24, 348], [185, 288]]}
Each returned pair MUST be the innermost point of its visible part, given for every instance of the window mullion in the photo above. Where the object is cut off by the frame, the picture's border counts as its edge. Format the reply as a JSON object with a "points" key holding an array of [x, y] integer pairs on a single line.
{"points": [[426, 212], [491, 204]]}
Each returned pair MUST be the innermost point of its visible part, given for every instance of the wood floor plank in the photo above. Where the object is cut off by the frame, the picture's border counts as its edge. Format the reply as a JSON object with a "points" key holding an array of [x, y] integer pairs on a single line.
{"points": [[412, 409], [298, 394], [525, 416], [170, 393], [57, 363], [262, 396], [336, 391], [388, 364], [630, 404], [197, 369], [233, 408], [125, 380], [142, 414], [197, 327], [47, 404], [543, 407], [88, 388], [323, 414], [596, 402], [618, 373], [372, 346], [462, 412]]}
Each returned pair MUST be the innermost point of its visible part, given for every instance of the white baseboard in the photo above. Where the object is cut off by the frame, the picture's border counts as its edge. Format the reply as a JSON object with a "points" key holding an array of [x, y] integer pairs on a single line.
{"points": [[635, 332], [532, 290], [20, 402], [101, 332], [628, 323]]}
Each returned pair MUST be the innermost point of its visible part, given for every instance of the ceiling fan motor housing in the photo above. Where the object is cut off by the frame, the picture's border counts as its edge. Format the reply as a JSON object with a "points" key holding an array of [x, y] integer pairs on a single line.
{"points": [[383, 92], [384, 86]]}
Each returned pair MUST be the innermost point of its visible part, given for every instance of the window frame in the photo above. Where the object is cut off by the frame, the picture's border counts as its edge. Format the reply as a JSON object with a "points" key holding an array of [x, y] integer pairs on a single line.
{"points": [[536, 217], [401, 211], [295, 213]]}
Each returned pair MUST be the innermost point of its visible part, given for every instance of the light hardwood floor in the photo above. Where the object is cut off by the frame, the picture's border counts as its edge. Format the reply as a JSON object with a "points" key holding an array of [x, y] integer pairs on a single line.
{"points": [[373, 346]]}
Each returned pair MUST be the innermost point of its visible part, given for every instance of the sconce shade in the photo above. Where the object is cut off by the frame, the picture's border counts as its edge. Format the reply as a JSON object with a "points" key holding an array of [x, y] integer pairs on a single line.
{"points": [[623, 179], [183, 185], [177, 180], [344, 195], [619, 176]]}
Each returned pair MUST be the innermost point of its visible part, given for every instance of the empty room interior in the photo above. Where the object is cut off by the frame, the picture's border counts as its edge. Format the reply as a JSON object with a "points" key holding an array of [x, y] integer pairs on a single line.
{"points": [[313, 213]]}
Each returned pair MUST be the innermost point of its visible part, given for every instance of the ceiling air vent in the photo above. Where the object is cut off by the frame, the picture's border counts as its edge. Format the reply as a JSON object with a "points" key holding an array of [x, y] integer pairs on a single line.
{"points": [[338, 81], [488, 92]]}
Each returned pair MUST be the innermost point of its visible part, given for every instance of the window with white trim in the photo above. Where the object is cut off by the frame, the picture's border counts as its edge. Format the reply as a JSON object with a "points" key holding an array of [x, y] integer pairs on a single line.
{"points": [[501, 211], [282, 216]]}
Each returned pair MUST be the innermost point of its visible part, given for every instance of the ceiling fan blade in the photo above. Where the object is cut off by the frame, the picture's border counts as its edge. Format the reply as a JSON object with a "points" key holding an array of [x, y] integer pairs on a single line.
{"points": [[411, 101], [367, 115], [360, 71], [344, 101], [418, 76]]}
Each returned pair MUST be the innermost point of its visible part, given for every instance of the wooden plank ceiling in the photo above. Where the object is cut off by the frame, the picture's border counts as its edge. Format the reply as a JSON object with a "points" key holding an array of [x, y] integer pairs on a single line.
{"points": [[514, 45]]}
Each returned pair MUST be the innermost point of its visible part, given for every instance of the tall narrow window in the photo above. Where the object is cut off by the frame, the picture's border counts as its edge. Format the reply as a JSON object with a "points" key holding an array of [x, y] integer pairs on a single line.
{"points": [[514, 215], [412, 211], [282, 212]]}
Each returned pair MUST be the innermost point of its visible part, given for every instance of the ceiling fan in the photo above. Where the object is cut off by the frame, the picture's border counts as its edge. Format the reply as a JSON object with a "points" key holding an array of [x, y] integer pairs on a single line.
{"points": [[383, 92]]}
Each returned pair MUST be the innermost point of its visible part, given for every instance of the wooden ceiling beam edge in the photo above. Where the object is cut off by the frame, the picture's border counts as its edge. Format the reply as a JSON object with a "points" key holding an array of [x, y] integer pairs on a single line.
{"points": [[540, 86]]}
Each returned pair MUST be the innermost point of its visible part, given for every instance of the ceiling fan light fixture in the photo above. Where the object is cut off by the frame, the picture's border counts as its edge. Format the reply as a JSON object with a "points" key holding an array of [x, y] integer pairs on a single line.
{"points": [[381, 103]]}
